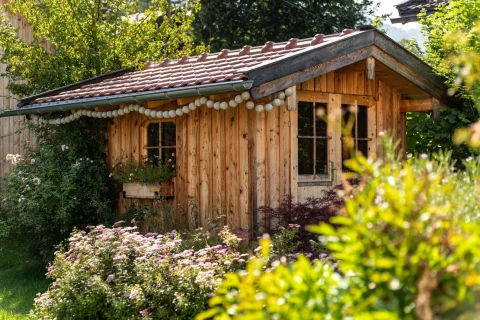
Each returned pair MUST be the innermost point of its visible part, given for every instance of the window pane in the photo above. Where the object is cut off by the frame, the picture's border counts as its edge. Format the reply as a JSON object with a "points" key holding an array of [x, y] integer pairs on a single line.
{"points": [[320, 124], [153, 135], [362, 127], [168, 134], [305, 119], [348, 117], [305, 156], [168, 154], [321, 160], [363, 147], [153, 155]]}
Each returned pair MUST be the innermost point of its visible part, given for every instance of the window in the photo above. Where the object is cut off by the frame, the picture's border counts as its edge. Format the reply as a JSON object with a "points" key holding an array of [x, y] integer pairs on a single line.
{"points": [[161, 141], [357, 119], [312, 140]]}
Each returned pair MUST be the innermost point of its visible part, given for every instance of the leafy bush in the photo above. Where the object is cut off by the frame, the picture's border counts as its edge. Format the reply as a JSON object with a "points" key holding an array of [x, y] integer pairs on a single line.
{"points": [[117, 273], [158, 217], [301, 290], [61, 183], [408, 247], [291, 215]]}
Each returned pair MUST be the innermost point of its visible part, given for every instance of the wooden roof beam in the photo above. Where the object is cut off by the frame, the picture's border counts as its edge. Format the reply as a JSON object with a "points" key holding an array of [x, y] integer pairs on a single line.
{"points": [[421, 105]]}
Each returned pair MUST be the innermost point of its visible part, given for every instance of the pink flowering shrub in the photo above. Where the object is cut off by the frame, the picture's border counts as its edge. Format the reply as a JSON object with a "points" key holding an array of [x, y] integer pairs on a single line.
{"points": [[117, 273]]}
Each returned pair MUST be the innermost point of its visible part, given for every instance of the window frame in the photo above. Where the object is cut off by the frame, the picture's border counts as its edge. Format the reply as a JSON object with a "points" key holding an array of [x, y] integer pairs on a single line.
{"points": [[334, 154], [316, 179], [355, 139], [144, 136]]}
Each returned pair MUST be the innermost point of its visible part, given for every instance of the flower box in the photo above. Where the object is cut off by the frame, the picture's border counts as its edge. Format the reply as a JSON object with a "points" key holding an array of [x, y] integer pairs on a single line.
{"points": [[148, 191]]}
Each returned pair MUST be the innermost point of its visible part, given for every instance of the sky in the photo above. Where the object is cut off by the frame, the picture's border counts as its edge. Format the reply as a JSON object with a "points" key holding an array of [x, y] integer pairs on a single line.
{"points": [[399, 31]]}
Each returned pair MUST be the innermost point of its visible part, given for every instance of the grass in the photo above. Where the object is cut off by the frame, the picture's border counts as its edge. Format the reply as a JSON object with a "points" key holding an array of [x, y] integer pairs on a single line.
{"points": [[21, 278]]}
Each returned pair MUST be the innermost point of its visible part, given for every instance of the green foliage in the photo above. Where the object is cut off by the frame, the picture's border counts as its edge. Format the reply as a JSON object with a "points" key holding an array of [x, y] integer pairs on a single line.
{"points": [[408, 247], [453, 55], [156, 218], [427, 135], [452, 34], [232, 24], [284, 240], [294, 291], [145, 171], [412, 46], [119, 274], [61, 183], [75, 40]]}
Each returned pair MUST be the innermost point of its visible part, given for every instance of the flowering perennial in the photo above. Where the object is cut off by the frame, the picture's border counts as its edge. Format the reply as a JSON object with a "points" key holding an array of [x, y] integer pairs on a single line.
{"points": [[117, 273]]}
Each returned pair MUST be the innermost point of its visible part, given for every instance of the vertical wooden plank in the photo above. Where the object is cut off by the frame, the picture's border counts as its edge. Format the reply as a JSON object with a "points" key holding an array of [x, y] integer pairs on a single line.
{"points": [[334, 129], [402, 124], [371, 68], [308, 85], [192, 146], [350, 82], [181, 184], [380, 117], [372, 131], [245, 208], [134, 129], [204, 204], [273, 140], [331, 81], [218, 166], [284, 150], [360, 82], [292, 100], [259, 183], [231, 168]]}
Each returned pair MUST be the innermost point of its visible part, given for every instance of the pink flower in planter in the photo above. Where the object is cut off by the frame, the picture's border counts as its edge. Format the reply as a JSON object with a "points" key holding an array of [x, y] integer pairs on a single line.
{"points": [[144, 312]]}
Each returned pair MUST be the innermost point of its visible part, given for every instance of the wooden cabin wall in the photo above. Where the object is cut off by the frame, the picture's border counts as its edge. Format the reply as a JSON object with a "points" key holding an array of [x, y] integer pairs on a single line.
{"points": [[231, 162], [12, 135], [234, 161]]}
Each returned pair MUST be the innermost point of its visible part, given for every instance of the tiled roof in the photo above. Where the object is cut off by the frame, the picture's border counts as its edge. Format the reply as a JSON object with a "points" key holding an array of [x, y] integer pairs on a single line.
{"points": [[210, 68], [410, 7]]}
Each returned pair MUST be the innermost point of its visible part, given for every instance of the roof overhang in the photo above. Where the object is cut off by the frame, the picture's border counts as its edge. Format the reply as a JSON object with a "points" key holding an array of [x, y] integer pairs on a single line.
{"points": [[304, 65], [130, 98]]}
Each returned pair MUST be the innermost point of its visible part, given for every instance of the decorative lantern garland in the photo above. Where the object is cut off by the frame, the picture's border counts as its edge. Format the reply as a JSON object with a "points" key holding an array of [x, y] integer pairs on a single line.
{"points": [[278, 100]]}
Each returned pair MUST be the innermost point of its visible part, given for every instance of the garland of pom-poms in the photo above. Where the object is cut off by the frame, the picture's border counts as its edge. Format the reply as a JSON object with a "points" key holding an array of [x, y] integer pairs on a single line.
{"points": [[277, 100]]}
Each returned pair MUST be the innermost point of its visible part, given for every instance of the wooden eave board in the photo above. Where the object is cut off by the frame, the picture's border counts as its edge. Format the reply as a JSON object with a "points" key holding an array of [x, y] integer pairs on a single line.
{"points": [[398, 82]]}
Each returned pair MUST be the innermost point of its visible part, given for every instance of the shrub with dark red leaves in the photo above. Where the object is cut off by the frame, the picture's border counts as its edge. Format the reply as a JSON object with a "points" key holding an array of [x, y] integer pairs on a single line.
{"points": [[310, 212]]}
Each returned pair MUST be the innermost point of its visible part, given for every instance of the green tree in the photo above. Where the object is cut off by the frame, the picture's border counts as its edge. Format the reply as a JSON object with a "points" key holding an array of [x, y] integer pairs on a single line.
{"points": [[75, 40], [232, 24], [64, 183], [451, 44]]}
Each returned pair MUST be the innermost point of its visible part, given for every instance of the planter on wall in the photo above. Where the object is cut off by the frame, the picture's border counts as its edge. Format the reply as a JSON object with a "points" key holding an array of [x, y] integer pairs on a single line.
{"points": [[149, 191]]}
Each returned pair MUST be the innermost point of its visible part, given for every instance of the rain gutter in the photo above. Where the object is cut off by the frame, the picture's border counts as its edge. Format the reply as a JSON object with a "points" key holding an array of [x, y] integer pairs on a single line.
{"points": [[130, 98]]}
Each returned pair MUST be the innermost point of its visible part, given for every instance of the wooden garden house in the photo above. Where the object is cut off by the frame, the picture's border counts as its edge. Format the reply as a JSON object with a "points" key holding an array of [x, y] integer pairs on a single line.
{"points": [[246, 124]]}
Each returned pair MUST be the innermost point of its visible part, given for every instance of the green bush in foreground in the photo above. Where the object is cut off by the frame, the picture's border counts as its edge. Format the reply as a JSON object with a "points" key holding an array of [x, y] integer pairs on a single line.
{"points": [[408, 247]]}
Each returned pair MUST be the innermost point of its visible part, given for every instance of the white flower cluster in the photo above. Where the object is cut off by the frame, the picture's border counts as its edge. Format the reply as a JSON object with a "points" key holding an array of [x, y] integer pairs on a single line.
{"points": [[14, 158], [277, 100]]}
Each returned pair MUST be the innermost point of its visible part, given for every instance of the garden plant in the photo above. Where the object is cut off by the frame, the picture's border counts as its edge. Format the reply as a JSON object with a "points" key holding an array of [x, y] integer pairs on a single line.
{"points": [[407, 246], [118, 273]]}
